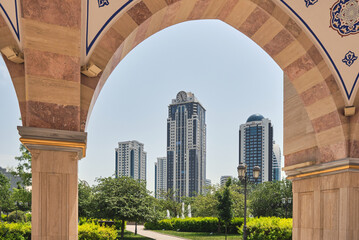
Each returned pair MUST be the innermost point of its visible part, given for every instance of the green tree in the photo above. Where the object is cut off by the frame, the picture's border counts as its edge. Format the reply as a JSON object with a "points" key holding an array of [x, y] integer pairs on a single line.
{"points": [[21, 198], [237, 198], [85, 199], [224, 206], [205, 205], [23, 169], [266, 199], [123, 199], [5, 194]]}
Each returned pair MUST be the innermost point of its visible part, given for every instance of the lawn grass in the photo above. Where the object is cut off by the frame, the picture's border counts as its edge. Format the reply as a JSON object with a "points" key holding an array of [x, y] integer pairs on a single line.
{"points": [[200, 235], [129, 236]]}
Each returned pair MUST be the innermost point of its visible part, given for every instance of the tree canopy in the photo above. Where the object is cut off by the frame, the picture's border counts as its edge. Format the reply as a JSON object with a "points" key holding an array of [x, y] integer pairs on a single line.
{"points": [[123, 199], [266, 199], [225, 203], [5, 193]]}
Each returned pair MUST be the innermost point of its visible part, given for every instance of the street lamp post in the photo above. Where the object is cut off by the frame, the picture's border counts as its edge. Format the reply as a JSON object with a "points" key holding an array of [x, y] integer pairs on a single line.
{"points": [[286, 202], [242, 175]]}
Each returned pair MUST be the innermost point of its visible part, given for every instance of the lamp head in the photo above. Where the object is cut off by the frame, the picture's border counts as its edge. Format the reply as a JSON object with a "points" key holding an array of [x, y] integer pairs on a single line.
{"points": [[256, 172], [241, 169]]}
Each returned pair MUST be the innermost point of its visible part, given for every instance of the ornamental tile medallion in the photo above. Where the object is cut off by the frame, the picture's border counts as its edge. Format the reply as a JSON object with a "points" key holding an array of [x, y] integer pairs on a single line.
{"points": [[310, 2], [344, 17], [349, 58], [103, 3]]}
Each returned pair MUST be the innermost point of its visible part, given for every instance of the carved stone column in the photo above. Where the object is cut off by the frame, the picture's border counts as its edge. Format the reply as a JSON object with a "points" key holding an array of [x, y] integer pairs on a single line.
{"points": [[325, 200], [55, 155]]}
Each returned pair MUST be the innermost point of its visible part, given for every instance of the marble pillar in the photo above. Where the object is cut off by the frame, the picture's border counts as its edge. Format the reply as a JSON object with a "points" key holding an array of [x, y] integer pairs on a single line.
{"points": [[326, 200], [55, 155]]}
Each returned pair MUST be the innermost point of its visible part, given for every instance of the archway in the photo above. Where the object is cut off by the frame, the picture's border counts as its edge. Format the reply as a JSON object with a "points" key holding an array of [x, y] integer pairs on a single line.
{"points": [[319, 148]]}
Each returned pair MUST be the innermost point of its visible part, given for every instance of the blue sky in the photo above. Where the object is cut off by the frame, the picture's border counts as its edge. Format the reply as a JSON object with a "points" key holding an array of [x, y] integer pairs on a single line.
{"points": [[230, 75]]}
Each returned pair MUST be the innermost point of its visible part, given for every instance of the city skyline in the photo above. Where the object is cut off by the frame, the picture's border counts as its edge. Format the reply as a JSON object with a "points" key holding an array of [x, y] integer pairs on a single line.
{"points": [[133, 103]]}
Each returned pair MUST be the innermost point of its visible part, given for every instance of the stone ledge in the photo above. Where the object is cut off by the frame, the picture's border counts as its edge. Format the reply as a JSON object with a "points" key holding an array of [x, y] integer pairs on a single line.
{"points": [[53, 140], [346, 164]]}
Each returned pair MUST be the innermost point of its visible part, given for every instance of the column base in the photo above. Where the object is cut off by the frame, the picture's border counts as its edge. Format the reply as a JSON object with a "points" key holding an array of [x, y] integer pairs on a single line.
{"points": [[326, 207]]}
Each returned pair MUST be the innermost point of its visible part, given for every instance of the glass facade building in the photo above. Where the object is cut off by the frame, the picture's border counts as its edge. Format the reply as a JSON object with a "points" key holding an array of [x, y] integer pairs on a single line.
{"points": [[160, 177], [277, 163], [256, 147], [186, 146], [131, 160]]}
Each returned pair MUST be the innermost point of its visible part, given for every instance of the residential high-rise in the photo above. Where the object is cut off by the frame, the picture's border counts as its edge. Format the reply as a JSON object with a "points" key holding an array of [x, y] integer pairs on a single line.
{"points": [[186, 145], [256, 147], [160, 177], [131, 160], [277, 162], [224, 180]]}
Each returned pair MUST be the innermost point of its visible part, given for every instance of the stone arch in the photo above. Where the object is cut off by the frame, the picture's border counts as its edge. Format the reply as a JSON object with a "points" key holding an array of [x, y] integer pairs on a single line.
{"points": [[17, 71], [324, 136]]}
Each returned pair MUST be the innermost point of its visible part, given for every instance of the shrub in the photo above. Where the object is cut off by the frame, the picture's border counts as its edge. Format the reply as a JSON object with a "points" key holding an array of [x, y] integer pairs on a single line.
{"points": [[207, 224], [16, 216], [199, 224], [95, 232], [15, 231], [118, 223], [269, 228], [235, 223]]}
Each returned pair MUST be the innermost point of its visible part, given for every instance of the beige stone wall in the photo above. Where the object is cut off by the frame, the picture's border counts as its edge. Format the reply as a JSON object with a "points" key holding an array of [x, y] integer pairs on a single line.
{"points": [[300, 144], [326, 207]]}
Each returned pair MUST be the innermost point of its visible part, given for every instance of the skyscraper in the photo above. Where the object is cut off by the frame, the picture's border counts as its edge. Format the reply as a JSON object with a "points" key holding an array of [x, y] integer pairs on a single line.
{"points": [[256, 147], [160, 177], [131, 160], [186, 145], [277, 162]]}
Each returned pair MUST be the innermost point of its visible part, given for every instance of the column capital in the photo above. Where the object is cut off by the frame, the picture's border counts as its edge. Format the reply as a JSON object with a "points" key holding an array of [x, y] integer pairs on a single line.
{"points": [[53, 139]]}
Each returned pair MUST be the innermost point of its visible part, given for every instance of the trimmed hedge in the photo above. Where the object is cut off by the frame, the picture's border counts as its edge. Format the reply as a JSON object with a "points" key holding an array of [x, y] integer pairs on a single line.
{"points": [[206, 224], [269, 228], [95, 232], [118, 223], [15, 231], [86, 231]]}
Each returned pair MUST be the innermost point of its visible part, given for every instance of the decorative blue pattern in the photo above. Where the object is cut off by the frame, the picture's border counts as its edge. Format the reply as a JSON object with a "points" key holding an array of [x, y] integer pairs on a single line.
{"points": [[15, 28], [90, 44], [103, 3], [310, 2], [349, 58], [348, 91], [344, 17]]}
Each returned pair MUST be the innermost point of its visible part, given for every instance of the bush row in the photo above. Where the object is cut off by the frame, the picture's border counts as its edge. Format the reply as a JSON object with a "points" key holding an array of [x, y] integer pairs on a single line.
{"points": [[105, 222], [15, 231], [269, 228], [91, 230], [96, 232], [264, 228], [206, 224]]}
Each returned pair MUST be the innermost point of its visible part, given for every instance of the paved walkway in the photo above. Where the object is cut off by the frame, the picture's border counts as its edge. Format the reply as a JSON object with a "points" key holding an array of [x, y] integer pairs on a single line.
{"points": [[151, 234]]}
